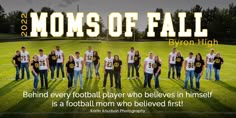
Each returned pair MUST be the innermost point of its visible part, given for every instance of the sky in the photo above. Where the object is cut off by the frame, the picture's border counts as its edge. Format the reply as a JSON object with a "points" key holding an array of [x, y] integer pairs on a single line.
{"points": [[105, 7]]}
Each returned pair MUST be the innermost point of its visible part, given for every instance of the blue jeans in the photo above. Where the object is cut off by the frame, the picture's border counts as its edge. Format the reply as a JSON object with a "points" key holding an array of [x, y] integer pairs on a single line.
{"points": [[44, 78], [209, 68], [97, 69], [78, 74], [36, 79], [52, 69], [117, 79], [17, 72], [89, 70], [131, 65], [137, 70], [147, 80], [60, 66], [70, 79], [156, 81], [217, 74], [171, 69], [25, 66], [198, 77], [189, 75], [110, 72], [178, 71]]}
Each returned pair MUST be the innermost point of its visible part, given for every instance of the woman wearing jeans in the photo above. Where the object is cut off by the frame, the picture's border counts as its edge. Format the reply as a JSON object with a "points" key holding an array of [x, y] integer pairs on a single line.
{"points": [[70, 70], [199, 66], [178, 64], [157, 71], [35, 71], [218, 61], [117, 71], [96, 62]]}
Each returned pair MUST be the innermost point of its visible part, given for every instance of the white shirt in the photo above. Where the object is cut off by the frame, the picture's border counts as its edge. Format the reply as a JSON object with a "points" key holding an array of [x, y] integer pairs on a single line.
{"points": [[149, 65], [172, 58], [190, 63], [89, 56], [210, 59], [42, 62], [24, 56], [78, 63], [131, 57], [109, 63], [59, 56]]}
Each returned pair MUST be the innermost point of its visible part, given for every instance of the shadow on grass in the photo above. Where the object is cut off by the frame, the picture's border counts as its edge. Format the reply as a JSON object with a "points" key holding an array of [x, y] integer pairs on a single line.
{"points": [[215, 104], [30, 104], [7, 88], [225, 85]]}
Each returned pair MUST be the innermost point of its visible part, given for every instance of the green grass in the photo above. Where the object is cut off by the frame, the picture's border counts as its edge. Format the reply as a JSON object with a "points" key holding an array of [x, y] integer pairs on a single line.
{"points": [[224, 92]]}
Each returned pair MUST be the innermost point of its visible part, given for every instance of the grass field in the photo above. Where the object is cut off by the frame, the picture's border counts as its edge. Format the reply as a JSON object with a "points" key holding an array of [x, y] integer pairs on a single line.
{"points": [[222, 102]]}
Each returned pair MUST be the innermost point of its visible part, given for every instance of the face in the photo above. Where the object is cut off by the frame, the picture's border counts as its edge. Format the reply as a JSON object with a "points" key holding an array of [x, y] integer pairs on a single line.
{"points": [[23, 49], [89, 48], [109, 54], [212, 51], [35, 57], [77, 54], [218, 55], [116, 57], [136, 52], [150, 55], [41, 52], [190, 55], [156, 58], [131, 49], [17, 53], [178, 54], [174, 49], [58, 48], [71, 58], [198, 56], [53, 52]]}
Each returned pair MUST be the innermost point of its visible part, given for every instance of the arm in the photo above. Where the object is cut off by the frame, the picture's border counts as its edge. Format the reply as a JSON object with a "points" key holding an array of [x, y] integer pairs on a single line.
{"points": [[139, 63], [82, 67], [185, 64], [169, 60], [63, 58], [206, 61], [145, 66], [127, 59], [28, 58], [47, 63], [104, 66], [85, 57], [98, 62], [33, 70], [12, 61], [159, 69]]}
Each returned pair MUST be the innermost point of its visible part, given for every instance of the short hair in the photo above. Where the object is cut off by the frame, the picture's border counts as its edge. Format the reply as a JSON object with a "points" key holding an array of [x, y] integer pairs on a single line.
{"points": [[108, 51], [132, 48], [77, 52], [17, 51], [40, 50], [57, 46], [191, 53], [23, 47]]}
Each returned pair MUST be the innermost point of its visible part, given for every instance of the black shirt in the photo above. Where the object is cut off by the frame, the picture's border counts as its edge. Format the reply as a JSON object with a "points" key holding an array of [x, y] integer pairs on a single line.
{"points": [[52, 59], [179, 61], [198, 65], [35, 65], [17, 59], [156, 66], [137, 59], [217, 62], [117, 65], [70, 66], [95, 59]]}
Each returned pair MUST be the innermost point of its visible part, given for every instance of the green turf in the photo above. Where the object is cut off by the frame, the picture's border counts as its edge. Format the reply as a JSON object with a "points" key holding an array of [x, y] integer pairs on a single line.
{"points": [[224, 92]]}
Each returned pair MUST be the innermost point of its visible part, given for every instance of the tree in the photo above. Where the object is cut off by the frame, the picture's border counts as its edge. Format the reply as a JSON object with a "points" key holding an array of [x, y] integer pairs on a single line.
{"points": [[3, 22], [14, 19]]}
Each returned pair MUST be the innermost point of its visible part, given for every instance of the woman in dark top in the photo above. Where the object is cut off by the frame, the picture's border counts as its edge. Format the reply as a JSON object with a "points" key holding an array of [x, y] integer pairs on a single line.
{"points": [[52, 63], [218, 61], [199, 66], [96, 62], [137, 63], [178, 64], [117, 71], [70, 71], [35, 71], [16, 61], [157, 71]]}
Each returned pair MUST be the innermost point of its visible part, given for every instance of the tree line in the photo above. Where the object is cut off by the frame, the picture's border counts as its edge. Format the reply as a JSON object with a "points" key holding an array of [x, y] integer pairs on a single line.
{"points": [[221, 23]]}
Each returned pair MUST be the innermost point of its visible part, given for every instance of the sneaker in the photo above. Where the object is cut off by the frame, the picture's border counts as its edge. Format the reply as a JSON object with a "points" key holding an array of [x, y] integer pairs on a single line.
{"points": [[103, 88], [132, 77], [128, 78], [63, 78], [81, 88]]}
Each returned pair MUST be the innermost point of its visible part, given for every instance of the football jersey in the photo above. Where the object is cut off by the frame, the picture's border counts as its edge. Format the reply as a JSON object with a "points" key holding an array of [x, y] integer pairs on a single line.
{"points": [[109, 63], [172, 58], [149, 65], [89, 56], [190, 63], [59, 56], [42, 62], [210, 59], [24, 56], [131, 57], [78, 63]]}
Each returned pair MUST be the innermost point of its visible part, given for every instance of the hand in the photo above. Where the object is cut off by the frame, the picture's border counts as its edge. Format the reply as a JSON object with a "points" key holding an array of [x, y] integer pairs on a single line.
{"points": [[201, 74], [156, 74], [15, 65], [35, 74], [81, 71], [67, 74], [206, 65]]}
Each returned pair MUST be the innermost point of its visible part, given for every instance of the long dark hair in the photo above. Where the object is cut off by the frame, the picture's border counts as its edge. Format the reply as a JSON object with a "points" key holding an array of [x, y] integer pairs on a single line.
{"points": [[96, 53], [199, 56]]}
